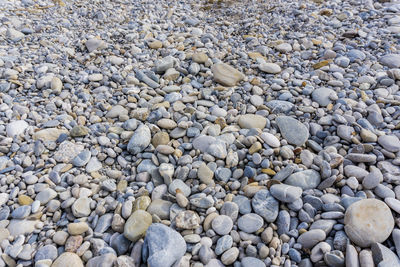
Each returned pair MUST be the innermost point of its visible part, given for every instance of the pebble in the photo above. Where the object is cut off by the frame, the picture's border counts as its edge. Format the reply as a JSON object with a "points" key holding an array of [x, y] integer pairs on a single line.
{"points": [[368, 221], [137, 224], [222, 224], [250, 223], [286, 193], [226, 75], [292, 130], [160, 241]]}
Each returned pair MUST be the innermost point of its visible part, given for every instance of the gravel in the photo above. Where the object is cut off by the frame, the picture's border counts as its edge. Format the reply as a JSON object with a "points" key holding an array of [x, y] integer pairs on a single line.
{"points": [[199, 133]]}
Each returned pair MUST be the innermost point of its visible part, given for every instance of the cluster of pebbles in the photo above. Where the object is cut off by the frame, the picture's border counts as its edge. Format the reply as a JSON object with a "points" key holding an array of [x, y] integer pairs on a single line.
{"points": [[199, 133]]}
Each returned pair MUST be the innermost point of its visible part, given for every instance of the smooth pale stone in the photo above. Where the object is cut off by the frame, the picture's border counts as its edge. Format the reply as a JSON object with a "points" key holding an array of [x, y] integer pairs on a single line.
{"points": [[249, 121], [366, 259], [307, 179], [270, 68], [311, 238], [16, 128], [270, 140], [396, 240], [49, 134], [351, 256], [68, 259], [226, 75], [137, 224], [292, 130], [21, 227], [368, 221], [77, 228], [286, 193]]}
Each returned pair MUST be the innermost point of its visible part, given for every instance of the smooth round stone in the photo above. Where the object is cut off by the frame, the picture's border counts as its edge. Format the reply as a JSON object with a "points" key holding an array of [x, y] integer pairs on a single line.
{"points": [[68, 259], [77, 228], [223, 244], [222, 224], [81, 207], [292, 130], [390, 143], [21, 212], [280, 106], [311, 238], [265, 205], [179, 184], [60, 238], [368, 221], [286, 193], [137, 224], [250, 223], [308, 179], [116, 111], [230, 209], [230, 256], [160, 207], [270, 140], [270, 68], [46, 195], [249, 121]]}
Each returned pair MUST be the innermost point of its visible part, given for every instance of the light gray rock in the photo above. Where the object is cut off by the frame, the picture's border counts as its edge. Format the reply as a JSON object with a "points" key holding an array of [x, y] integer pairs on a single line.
{"points": [[292, 130], [286, 193], [307, 179], [165, 246], [265, 205], [250, 223], [139, 140], [368, 221]]}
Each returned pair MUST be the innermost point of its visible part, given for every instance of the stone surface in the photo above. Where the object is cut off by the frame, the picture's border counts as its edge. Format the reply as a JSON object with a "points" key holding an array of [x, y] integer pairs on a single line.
{"points": [[368, 221], [165, 246], [292, 130], [137, 224], [226, 75]]}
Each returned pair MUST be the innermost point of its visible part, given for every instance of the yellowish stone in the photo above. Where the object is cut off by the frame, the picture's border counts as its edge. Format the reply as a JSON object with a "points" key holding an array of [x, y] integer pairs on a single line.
{"points": [[268, 171], [155, 44], [24, 200], [255, 147]]}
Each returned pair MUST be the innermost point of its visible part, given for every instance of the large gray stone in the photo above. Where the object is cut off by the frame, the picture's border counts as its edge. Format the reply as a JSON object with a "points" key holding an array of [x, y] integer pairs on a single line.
{"points": [[292, 130], [139, 140], [307, 179], [165, 246]]}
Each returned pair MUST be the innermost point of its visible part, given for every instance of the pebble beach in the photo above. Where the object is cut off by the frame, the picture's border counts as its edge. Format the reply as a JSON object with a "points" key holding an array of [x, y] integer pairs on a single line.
{"points": [[210, 133]]}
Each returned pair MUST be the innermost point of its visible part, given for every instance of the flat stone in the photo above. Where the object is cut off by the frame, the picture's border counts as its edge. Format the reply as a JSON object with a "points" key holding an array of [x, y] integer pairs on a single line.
{"points": [[81, 207], [49, 134], [77, 228], [82, 158], [67, 151], [368, 221], [270, 68], [137, 224], [226, 75], [46, 252], [250, 223], [139, 140], [392, 61], [270, 140], [249, 121], [265, 205], [222, 224], [46, 195], [116, 111], [311, 238], [390, 143], [292, 130], [223, 244], [308, 179], [187, 219], [280, 106], [286, 193], [104, 260], [164, 245]]}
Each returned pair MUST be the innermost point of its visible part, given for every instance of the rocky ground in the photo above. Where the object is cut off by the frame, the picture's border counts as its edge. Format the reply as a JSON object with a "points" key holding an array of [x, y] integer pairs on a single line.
{"points": [[199, 133]]}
